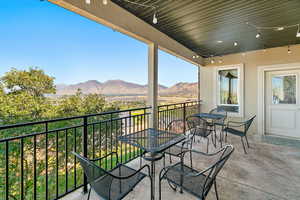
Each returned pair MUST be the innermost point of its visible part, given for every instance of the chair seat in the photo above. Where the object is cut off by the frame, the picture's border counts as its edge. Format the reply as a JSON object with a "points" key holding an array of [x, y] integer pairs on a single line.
{"points": [[191, 184], [234, 131], [202, 132], [176, 150], [119, 187]]}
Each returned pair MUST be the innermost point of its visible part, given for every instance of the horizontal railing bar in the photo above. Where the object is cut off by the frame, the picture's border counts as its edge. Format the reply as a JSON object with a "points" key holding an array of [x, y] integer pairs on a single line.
{"points": [[116, 119], [68, 118]]}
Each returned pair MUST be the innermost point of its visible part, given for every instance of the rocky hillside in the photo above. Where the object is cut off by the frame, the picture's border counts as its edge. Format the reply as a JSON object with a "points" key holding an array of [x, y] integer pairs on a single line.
{"points": [[181, 89], [119, 87]]}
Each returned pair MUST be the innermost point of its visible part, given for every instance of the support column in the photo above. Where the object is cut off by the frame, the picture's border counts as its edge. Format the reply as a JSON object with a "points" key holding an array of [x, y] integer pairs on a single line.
{"points": [[199, 92], [153, 84]]}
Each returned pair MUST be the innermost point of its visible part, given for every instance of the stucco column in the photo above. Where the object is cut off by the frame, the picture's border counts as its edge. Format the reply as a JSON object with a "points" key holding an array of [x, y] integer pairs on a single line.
{"points": [[199, 92], [153, 84]]}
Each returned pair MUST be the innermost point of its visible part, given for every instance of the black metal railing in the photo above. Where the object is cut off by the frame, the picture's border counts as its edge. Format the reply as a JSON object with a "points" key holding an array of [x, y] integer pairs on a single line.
{"points": [[35, 158]]}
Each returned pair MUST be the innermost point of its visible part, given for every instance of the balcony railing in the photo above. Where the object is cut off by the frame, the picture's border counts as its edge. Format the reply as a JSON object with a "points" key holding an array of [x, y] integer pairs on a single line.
{"points": [[35, 158]]}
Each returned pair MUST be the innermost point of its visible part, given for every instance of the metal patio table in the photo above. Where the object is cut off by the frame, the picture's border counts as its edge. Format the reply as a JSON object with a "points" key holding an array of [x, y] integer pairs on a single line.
{"points": [[153, 142], [211, 116]]}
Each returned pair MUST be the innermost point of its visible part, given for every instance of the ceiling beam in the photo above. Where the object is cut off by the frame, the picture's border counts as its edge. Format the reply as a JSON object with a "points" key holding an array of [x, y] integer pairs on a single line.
{"points": [[119, 19]]}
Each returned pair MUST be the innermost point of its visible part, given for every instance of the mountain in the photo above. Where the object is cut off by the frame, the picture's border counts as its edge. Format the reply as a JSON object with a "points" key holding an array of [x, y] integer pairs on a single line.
{"points": [[181, 89], [110, 87]]}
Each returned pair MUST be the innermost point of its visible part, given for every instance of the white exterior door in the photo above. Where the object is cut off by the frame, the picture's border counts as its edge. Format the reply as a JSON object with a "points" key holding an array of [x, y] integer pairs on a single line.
{"points": [[283, 103]]}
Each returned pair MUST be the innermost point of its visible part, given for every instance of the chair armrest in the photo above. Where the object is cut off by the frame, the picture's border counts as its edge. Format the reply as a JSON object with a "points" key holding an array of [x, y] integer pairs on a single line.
{"points": [[103, 157], [235, 124], [209, 154], [131, 175]]}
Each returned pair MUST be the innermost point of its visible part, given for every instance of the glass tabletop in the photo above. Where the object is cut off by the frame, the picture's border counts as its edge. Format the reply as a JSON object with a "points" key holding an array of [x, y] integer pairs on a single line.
{"points": [[152, 140], [209, 115]]}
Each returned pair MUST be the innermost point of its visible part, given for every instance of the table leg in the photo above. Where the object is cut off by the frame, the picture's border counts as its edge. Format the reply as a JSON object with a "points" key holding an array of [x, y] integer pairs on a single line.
{"points": [[153, 180]]}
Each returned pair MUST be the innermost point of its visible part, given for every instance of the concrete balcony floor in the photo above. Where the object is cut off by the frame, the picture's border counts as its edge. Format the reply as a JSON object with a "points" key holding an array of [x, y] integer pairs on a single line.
{"points": [[267, 172]]}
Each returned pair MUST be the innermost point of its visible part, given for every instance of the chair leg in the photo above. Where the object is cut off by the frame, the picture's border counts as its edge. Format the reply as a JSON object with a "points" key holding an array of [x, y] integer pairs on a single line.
{"points": [[89, 193], [243, 145], [191, 159], [247, 141], [212, 140], [216, 191], [170, 158], [207, 145], [159, 190]]}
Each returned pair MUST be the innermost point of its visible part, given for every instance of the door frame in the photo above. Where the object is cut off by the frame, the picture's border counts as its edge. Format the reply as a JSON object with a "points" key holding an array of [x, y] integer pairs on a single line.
{"points": [[261, 72]]}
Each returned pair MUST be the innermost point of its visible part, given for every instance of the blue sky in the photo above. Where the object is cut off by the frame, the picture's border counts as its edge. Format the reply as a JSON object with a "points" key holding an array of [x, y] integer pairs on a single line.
{"points": [[74, 49]]}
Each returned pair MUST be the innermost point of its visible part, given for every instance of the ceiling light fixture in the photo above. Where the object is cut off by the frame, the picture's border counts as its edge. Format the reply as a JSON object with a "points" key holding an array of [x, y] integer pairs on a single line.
{"points": [[154, 18], [105, 2], [219, 41], [235, 44], [88, 1], [280, 28], [298, 31], [274, 28], [257, 35]]}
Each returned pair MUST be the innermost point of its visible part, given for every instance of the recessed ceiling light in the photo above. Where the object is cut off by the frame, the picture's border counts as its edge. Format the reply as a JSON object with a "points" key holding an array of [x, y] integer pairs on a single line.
{"points": [[219, 41], [88, 1], [235, 44], [105, 2]]}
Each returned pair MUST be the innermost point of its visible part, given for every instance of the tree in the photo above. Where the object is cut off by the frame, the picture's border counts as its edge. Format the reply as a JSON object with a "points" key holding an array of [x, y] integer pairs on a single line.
{"points": [[34, 81]]}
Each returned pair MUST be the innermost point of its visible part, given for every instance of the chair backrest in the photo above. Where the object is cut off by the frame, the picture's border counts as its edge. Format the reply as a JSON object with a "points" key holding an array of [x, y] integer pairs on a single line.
{"points": [[248, 123], [198, 126], [177, 126], [91, 170], [217, 166], [219, 111]]}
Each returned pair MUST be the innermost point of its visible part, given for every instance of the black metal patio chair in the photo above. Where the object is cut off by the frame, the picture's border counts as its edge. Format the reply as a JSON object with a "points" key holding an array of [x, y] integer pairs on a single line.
{"points": [[197, 183], [218, 122], [114, 184], [239, 129], [199, 127], [179, 126]]}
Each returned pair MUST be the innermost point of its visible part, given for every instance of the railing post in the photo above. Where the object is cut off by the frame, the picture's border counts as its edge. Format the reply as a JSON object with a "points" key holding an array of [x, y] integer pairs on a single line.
{"points": [[184, 116], [84, 149]]}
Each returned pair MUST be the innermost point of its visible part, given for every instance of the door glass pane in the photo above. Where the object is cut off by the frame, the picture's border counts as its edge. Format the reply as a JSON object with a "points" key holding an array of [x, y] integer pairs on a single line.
{"points": [[284, 89], [228, 93]]}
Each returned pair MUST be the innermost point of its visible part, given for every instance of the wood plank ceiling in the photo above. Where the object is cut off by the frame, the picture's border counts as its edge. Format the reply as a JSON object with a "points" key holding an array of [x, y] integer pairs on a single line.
{"points": [[200, 24]]}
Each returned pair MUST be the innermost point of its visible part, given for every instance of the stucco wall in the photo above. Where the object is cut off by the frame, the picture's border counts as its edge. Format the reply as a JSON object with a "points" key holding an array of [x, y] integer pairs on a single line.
{"points": [[251, 60]]}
